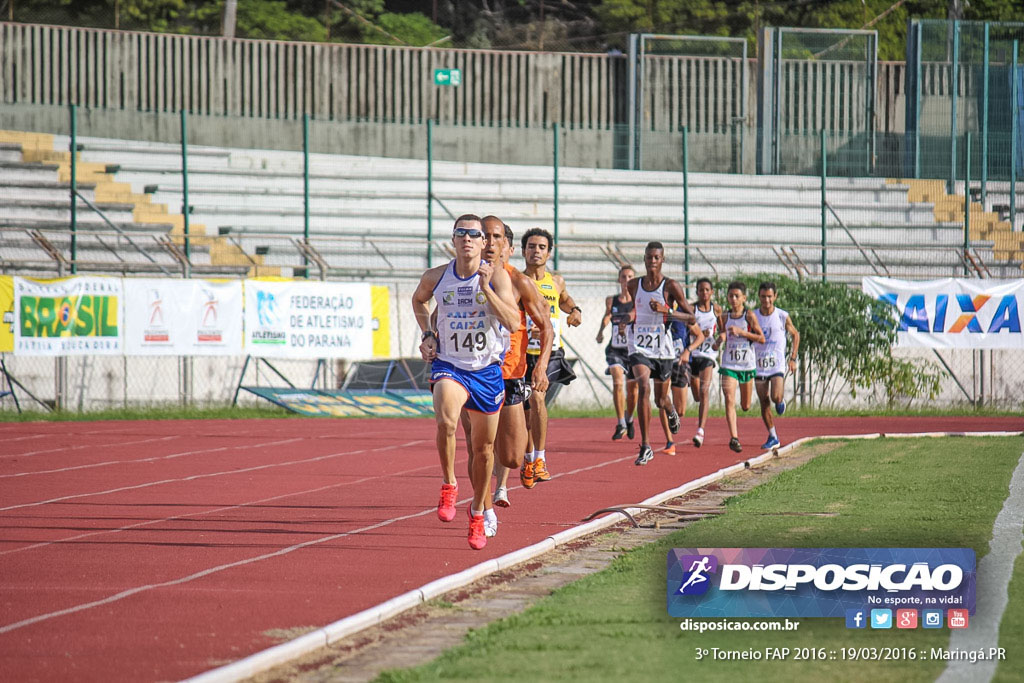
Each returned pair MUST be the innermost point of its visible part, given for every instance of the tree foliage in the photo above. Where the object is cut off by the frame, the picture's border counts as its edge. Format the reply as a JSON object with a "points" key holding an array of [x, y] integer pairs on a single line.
{"points": [[846, 341]]}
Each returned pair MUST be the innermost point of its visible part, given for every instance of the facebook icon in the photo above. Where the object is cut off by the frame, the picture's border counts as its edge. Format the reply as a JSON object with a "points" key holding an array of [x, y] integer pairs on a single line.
{"points": [[856, 618]]}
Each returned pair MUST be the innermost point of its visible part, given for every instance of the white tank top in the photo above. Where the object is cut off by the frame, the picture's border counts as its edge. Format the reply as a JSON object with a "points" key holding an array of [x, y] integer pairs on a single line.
{"points": [[739, 351], [650, 335], [469, 336], [771, 356], [707, 321]]}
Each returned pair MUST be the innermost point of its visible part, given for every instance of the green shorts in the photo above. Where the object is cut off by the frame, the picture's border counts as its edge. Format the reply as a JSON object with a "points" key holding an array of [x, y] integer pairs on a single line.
{"points": [[741, 376]]}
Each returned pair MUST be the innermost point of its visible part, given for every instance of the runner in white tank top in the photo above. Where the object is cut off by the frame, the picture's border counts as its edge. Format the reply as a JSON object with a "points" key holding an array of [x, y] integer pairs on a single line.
{"points": [[466, 350], [702, 363], [651, 355], [771, 359], [738, 332]]}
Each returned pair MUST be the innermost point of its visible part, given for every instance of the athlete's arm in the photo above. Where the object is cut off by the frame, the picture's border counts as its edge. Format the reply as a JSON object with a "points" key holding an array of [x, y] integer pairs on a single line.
{"points": [[565, 302], [497, 287], [683, 312], [754, 332], [696, 339], [606, 319], [537, 308], [631, 288], [722, 331], [795, 334], [420, 308]]}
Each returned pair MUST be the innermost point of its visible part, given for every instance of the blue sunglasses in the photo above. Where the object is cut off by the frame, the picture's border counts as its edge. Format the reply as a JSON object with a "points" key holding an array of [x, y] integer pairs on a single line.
{"points": [[464, 232]]}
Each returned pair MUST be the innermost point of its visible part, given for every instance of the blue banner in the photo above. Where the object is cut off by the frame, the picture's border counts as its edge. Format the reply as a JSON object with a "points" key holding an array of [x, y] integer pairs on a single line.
{"points": [[817, 582]]}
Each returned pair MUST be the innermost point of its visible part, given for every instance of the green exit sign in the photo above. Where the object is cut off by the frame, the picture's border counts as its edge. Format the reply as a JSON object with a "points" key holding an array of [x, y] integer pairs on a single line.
{"points": [[447, 77]]}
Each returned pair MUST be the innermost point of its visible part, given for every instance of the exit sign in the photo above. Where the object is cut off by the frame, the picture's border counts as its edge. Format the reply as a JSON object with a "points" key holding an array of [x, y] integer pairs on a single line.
{"points": [[447, 77]]}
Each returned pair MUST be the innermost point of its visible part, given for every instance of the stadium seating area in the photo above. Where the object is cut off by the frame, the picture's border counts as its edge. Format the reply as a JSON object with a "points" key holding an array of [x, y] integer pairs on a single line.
{"points": [[368, 215]]}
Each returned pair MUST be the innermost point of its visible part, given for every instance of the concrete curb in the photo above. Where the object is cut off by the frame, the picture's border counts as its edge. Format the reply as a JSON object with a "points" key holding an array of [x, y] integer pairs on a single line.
{"points": [[279, 654]]}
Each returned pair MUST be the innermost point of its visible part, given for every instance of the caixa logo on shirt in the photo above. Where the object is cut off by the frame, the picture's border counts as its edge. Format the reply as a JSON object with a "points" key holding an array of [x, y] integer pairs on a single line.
{"points": [[806, 582]]}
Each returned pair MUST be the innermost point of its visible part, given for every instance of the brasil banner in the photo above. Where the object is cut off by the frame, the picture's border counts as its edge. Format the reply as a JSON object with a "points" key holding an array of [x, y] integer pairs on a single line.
{"points": [[76, 316], [954, 313]]}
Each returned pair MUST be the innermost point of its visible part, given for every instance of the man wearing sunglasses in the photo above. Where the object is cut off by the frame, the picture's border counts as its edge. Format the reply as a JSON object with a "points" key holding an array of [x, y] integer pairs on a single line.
{"points": [[511, 440], [475, 307]]}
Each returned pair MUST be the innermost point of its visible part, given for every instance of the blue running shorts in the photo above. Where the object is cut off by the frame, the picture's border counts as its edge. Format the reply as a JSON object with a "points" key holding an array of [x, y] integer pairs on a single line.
{"points": [[485, 388]]}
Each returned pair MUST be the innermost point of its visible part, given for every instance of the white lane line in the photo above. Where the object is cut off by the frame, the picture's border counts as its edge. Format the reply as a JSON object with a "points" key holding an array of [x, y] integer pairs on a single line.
{"points": [[82, 446], [9, 439], [170, 456], [278, 553], [212, 511], [994, 574], [192, 477]]}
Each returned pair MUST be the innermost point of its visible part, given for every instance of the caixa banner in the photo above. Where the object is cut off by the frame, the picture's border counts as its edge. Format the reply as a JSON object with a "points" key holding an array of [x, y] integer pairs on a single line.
{"points": [[954, 313], [816, 582]]}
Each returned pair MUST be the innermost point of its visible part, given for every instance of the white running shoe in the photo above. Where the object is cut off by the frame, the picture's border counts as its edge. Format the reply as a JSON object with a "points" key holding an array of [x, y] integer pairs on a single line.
{"points": [[490, 523], [501, 497], [698, 438]]}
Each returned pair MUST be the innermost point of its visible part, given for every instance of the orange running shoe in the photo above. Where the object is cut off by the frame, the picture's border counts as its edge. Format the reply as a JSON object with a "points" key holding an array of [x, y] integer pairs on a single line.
{"points": [[526, 475], [446, 506], [477, 536], [670, 448], [540, 470]]}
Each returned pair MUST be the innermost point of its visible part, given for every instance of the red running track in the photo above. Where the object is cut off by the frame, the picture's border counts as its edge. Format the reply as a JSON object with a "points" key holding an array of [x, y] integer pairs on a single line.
{"points": [[150, 551]]}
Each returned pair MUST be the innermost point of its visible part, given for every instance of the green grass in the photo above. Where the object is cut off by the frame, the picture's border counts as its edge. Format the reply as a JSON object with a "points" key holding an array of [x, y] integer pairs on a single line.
{"points": [[613, 625], [793, 410], [170, 412]]}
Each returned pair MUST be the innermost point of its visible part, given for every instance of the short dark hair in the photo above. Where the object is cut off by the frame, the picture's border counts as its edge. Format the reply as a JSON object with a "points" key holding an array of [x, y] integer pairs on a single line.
{"points": [[767, 284], [467, 218], [704, 279], [737, 284], [534, 232], [626, 267], [508, 234], [654, 245]]}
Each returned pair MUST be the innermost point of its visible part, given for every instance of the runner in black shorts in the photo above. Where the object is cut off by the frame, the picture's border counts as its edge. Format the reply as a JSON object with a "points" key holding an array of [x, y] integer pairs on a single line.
{"points": [[702, 359], [617, 311]]}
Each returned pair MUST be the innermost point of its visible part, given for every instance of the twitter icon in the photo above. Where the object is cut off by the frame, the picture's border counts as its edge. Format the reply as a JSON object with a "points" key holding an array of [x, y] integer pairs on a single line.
{"points": [[881, 618]]}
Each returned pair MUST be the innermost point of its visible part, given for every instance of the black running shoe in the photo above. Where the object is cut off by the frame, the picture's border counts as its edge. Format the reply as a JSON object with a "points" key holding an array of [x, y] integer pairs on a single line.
{"points": [[673, 422], [630, 432], [734, 444], [620, 431], [646, 455]]}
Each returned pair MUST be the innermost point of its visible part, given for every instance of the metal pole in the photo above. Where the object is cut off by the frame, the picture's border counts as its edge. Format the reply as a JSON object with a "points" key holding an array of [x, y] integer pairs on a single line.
{"points": [[1013, 140], [74, 189], [555, 128], [824, 234], [954, 90], [917, 103], [686, 209], [967, 201], [305, 189], [631, 97], [984, 125], [430, 189], [184, 191]]}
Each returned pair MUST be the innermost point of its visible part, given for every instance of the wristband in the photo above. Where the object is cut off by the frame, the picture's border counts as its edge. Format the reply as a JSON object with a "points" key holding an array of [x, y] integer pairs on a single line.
{"points": [[575, 308], [428, 333]]}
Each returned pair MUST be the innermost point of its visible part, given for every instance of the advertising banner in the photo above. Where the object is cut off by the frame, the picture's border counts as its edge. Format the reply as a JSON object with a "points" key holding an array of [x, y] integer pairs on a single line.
{"points": [[165, 317], [818, 582], [76, 316], [7, 310], [285, 319], [954, 313]]}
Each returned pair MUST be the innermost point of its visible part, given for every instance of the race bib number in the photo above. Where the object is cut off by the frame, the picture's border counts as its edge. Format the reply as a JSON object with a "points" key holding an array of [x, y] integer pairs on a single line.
{"points": [[464, 344], [737, 356], [768, 362], [649, 337], [619, 340]]}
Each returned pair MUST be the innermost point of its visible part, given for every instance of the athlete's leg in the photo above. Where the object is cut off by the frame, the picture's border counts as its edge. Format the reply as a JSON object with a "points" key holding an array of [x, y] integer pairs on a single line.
{"points": [[729, 394], [449, 397], [704, 383], [484, 428], [679, 397], [642, 373], [778, 389], [538, 420], [663, 395], [618, 390], [762, 398], [746, 394], [632, 395]]}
